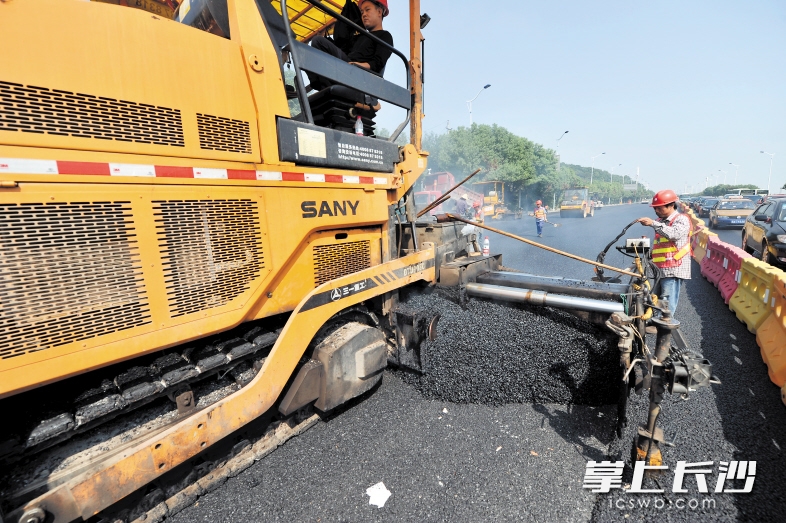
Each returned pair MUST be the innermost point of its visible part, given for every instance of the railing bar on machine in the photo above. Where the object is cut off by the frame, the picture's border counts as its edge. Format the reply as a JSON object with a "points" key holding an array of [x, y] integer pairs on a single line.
{"points": [[303, 59]]}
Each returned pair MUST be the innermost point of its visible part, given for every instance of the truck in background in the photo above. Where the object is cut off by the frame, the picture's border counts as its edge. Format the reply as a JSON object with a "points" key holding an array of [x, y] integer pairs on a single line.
{"points": [[433, 186], [494, 201]]}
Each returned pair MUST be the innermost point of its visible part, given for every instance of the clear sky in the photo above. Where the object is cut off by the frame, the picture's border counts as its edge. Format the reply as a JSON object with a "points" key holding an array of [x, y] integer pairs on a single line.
{"points": [[677, 88]]}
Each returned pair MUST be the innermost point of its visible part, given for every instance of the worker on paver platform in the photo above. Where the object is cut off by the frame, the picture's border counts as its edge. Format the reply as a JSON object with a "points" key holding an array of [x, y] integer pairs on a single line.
{"points": [[540, 216], [671, 250], [358, 50]]}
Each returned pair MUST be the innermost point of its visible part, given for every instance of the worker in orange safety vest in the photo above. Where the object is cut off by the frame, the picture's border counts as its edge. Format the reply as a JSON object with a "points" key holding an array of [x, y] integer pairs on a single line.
{"points": [[540, 216], [671, 250]]}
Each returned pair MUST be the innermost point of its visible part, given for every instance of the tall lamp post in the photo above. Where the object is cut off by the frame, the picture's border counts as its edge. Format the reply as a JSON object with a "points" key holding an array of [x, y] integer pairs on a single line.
{"points": [[770, 177], [469, 102], [611, 180], [611, 175], [593, 166], [724, 175], [736, 170], [558, 157]]}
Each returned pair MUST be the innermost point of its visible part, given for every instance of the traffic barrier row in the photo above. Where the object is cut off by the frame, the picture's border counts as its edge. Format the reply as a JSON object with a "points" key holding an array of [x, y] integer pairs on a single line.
{"points": [[771, 335], [699, 243], [751, 301], [713, 266], [732, 263], [753, 290]]}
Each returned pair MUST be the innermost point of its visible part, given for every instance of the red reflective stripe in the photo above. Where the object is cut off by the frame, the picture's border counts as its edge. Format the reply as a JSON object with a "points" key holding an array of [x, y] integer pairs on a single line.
{"points": [[33, 166], [293, 177], [174, 172], [94, 168], [238, 174]]}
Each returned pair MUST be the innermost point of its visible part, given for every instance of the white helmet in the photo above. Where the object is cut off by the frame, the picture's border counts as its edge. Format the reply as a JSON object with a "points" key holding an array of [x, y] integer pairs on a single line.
{"points": [[464, 196]]}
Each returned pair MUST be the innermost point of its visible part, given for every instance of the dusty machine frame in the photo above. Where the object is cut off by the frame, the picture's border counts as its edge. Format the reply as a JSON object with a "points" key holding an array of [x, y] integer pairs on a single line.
{"points": [[494, 204]]}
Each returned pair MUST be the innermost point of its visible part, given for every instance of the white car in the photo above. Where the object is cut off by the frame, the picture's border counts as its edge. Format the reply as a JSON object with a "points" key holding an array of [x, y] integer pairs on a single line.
{"points": [[599, 205]]}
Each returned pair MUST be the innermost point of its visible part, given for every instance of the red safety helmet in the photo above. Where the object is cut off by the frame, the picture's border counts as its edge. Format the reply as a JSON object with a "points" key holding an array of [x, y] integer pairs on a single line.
{"points": [[664, 197], [381, 3], [538, 202]]}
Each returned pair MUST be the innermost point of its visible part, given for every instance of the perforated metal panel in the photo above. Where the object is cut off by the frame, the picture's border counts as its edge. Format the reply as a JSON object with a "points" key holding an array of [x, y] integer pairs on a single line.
{"points": [[212, 251], [223, 134], [337, 260], [32, 109], [68, 272]]}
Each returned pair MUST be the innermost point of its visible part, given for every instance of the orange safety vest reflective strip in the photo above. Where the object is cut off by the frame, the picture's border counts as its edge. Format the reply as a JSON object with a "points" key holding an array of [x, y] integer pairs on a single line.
{"points": [[540, 214], [665, 253]]}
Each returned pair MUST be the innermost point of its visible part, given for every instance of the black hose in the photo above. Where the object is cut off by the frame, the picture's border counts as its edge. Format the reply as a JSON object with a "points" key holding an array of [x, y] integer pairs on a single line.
{"points": [[602, 256], [648, 265]]}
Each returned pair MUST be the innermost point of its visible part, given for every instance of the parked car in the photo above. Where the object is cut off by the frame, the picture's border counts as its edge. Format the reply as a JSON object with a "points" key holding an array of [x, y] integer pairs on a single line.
{"points": [[695, 204], [773, 197], [755, 198], [705, 206], [644, 201], [765, 231], [598, 205], [730, 212]]}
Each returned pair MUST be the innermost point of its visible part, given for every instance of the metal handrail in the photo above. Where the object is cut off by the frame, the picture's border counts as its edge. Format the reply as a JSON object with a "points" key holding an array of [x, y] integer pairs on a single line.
{"points": [[301, 89], [302, 94]]}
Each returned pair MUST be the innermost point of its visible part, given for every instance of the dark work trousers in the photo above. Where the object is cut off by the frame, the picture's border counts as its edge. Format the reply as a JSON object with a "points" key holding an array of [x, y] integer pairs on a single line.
{"points": [[326, 46]]}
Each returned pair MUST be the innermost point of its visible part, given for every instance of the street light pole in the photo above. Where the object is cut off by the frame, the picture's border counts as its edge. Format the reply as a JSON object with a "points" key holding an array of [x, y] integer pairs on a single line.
{"points": [[724, 175], [558, 157], [593, 167], [736, 169], [469, 102], [611, 175], [770, 177]]}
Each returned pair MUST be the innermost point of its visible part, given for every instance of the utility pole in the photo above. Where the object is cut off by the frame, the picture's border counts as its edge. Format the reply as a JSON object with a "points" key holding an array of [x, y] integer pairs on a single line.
{"points": [[770, 177], [593, 167], [736, 169], [469, 102], [558, 156]]}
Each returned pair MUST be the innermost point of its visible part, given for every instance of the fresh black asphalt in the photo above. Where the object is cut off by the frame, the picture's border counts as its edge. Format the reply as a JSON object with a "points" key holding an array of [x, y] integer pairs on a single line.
{"points": [[512, 461]]}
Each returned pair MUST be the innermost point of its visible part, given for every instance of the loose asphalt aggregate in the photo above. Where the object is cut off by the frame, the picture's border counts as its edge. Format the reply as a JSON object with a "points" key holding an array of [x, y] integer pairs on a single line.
{"points": [[500, 454]]}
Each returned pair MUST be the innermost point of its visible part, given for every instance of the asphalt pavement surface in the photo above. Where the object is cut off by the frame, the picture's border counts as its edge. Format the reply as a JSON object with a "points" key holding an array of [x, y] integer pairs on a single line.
{"points": [[445, 461]]}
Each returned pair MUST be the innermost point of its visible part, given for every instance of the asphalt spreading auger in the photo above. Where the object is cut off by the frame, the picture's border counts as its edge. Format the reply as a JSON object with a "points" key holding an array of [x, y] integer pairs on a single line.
{"points": [[623, 308]]}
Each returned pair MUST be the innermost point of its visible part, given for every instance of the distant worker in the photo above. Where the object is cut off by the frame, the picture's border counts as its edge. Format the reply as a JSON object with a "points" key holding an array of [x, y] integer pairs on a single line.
{"points": [[358, 50], [463, 208], [671, 250], [476, 210], [540, 216]]}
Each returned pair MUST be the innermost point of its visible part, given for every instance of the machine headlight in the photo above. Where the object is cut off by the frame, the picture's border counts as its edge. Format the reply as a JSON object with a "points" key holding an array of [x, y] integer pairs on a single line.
{"points": [[781, 238]]}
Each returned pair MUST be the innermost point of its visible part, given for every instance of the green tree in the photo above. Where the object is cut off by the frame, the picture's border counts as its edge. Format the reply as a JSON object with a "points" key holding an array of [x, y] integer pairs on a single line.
{"points": [[529, 169], [720, 190], [499, 153]]}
